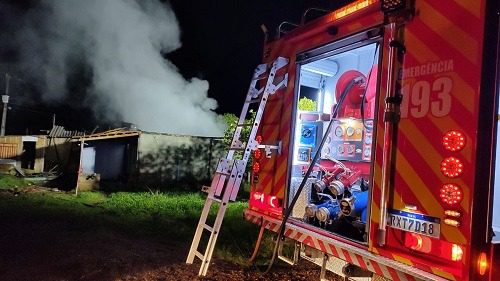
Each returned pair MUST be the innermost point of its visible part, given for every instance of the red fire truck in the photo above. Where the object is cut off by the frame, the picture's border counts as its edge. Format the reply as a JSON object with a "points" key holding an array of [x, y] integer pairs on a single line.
{"points": [[374, 144]]}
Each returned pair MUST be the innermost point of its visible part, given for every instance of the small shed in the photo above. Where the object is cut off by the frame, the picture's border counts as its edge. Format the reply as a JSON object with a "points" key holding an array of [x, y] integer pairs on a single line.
{"points": [[25, 152], [131, 158], [109, 156]]}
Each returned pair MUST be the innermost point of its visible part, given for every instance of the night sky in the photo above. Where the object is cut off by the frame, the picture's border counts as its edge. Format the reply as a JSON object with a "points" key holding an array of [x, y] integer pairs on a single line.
{"points": [[221, 42]]}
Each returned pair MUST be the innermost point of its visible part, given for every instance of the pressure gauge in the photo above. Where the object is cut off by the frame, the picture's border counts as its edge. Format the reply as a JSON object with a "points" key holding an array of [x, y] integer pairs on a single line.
{"points": [[339, 132], [350, 131], [368, 139], [350, 149], [340, 149]]}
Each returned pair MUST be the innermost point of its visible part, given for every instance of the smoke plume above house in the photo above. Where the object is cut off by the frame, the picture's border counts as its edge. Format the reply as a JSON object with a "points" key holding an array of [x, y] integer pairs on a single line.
{"points": [[121, 42]]}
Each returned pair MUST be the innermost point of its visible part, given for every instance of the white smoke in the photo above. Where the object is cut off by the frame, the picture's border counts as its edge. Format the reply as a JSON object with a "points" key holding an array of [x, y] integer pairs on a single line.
{"points": [[122, 41]]}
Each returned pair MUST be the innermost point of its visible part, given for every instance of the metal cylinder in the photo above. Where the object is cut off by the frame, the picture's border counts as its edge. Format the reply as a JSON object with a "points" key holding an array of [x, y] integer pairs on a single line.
{"points": [[311, 210], [336, 188], [319, 186], [327, 212]]}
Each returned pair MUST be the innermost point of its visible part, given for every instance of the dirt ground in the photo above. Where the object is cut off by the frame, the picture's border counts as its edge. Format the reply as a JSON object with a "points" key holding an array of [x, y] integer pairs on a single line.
{"points": [[61, 248]]}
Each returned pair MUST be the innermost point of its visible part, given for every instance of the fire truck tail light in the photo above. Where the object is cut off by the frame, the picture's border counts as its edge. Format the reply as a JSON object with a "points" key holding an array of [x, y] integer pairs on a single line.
{"points": [[451, 194], [482, 263], [418, 242], [453, 141], [453, 213], [432, 246], [456, 253], [258, 139], [451, 222], [452, 167], [257, 154], [256, 167]]}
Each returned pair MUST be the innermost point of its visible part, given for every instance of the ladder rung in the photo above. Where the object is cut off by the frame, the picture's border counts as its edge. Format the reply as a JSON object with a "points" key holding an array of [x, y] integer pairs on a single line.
{"points": [[260, 77], [199, 255], [223, 173], [214, 199], [245, 125], [237, 148], [208, 227], [285, 259], [253, 101]]}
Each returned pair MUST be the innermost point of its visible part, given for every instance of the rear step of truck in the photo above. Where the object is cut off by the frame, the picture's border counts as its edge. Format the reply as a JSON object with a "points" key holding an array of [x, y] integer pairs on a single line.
{"points": [[229, 174]]}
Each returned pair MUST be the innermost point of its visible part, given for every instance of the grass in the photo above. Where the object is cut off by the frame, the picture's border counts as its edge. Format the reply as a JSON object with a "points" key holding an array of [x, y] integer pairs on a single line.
{"points": [[7, 181], [145, 214]]}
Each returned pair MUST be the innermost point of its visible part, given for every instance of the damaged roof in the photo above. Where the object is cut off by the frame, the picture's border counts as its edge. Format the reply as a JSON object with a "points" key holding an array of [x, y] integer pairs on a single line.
{"points": [[110, 134]]}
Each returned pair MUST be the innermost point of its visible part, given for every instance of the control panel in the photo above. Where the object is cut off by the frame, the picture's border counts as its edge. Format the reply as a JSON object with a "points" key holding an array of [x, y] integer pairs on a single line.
{"points": [[349, 140]]}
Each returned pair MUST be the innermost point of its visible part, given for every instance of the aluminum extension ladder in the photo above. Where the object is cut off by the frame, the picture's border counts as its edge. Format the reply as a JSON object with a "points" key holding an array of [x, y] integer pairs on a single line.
{"points": [[229, 174]]}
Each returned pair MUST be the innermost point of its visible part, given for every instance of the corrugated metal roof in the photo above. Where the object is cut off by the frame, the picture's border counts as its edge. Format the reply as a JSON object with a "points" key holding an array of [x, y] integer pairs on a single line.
{"points": [[60, 132]]}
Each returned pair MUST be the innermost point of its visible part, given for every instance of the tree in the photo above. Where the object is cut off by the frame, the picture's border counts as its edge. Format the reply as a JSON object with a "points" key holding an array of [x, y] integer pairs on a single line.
{"points": [[231, 122], [306, 104]]}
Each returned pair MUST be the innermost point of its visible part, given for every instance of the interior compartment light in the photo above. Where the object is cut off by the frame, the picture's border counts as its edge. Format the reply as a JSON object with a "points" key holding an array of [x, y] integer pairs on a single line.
{"points": [[451, 194], [451, 222], [453, 140], [452, 167], [482, 263]]}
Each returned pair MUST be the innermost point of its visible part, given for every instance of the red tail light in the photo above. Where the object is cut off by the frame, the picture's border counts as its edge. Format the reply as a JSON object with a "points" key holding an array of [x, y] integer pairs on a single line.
{"points": [[451, 194], [435, 247], [456, 252], [452, 167], [453, 141], [418, 242], [257, 154], [256, 167]]}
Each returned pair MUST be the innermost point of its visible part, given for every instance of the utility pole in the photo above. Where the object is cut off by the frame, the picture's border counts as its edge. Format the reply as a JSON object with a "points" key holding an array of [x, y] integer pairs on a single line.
{"points": [[5, 100]]}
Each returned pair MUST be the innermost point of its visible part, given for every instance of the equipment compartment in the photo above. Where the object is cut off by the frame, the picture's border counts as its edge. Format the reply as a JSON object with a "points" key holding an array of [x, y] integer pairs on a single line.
{"points": [[336, 195]]}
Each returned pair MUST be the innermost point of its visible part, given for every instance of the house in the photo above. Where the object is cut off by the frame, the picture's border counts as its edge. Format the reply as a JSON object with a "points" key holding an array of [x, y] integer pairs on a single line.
{"points": [[130, 158]]}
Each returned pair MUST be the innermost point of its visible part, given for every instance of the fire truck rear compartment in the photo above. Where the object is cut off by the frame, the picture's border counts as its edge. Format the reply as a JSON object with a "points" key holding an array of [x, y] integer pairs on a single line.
{"points": [[336, 194]]}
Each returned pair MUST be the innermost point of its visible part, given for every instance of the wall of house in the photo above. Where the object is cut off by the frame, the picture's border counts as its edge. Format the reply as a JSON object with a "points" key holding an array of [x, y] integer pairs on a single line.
{"points": [[58, 155], [177, 160], [12, 147]]}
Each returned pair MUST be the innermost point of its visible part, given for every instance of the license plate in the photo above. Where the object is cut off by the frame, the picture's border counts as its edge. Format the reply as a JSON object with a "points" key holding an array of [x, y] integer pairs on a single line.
{"points": [[416, 223]]}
